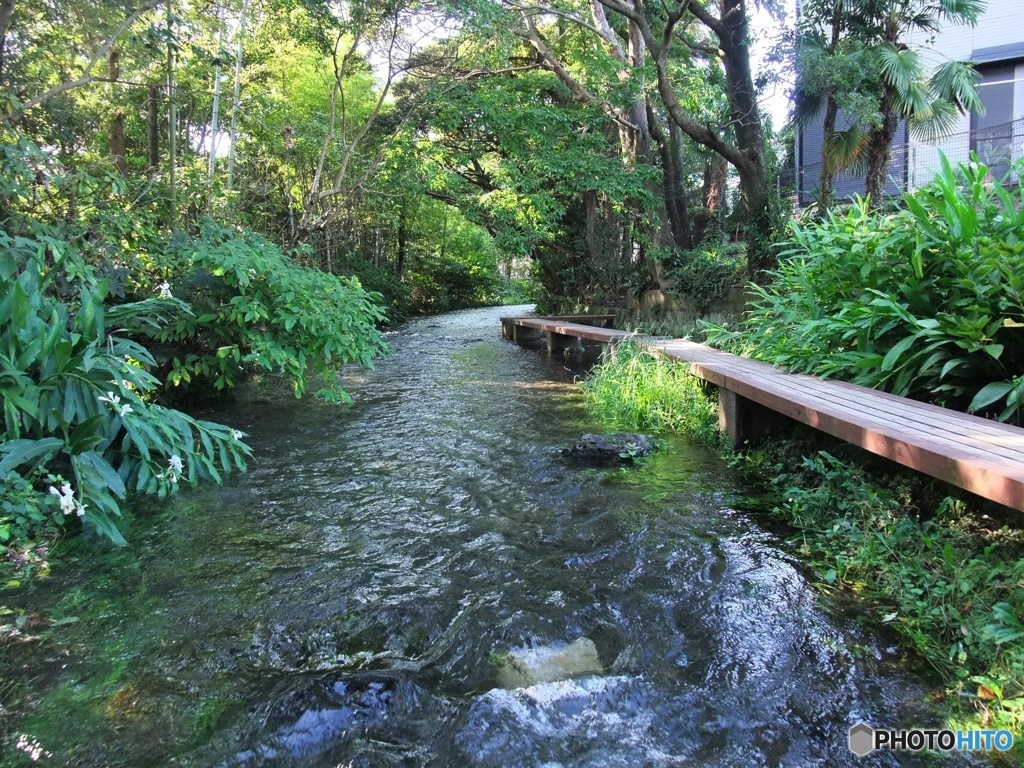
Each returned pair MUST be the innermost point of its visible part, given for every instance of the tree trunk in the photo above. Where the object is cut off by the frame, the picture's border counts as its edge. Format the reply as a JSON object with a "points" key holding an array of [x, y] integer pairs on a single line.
{"points": [[215, 116], [828, 169], [754, 187], [713, 192], [172, 123], [590, 206], [403, 240], [879, 149], [827, 173], [116, 143], [712, 197], [6, 13], [673, 190], [638, 111], [240, 49], [153, 126]]}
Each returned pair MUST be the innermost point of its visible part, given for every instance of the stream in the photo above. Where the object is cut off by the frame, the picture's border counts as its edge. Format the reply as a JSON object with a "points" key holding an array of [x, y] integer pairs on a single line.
{"points": [[345, 603]]}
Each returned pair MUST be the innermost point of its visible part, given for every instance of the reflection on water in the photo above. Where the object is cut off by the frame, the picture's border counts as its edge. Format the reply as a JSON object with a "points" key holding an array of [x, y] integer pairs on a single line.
{"points": [[342, 603]]}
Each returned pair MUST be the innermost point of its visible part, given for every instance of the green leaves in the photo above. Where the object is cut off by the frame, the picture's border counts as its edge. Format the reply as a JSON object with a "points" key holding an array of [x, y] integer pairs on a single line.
{"points": [[1006, 627], [17, 453], [901, 67], [957, 83], [256, 309], [924, 303], [991, 393], [79, 427]]}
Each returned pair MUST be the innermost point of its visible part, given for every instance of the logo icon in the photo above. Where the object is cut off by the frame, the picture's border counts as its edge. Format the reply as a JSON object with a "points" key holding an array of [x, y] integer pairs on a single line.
{"points": [[862, 739]]}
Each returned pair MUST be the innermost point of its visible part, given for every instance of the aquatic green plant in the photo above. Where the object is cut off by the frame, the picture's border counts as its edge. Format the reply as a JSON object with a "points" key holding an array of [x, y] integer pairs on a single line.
{"points": [[634, 389]]}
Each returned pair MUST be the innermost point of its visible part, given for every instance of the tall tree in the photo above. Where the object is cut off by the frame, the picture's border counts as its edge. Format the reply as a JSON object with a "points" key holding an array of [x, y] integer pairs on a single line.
{"points": [[929, 103], [660, 29], [832, 75]]}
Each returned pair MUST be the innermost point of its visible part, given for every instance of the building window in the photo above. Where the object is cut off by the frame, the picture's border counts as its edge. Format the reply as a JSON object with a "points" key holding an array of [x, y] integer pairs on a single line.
{"points": [[992, 133]]}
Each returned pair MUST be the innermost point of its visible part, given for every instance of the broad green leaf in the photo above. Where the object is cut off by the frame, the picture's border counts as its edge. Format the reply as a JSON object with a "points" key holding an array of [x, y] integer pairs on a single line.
{"points": [[18, 452], [989, 394]]}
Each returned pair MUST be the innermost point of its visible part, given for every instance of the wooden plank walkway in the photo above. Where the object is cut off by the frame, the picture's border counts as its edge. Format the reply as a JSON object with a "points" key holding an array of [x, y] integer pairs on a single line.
{"points": [[563, 325], [979, 455]]}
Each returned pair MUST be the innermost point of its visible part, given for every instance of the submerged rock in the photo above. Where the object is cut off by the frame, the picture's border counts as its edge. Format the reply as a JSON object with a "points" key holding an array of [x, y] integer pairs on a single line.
{"points": [[326, 716], [596, 722], [620, 446], [523, 668]]}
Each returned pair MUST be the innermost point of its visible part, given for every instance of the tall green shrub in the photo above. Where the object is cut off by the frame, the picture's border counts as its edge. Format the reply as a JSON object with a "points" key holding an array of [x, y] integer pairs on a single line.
{"points": [[80, 430], [256, 309], [927, 302]]}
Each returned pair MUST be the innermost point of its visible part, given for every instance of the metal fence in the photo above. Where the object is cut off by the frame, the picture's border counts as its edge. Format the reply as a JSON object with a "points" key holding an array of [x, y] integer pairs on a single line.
{"points": [[914, 164]]}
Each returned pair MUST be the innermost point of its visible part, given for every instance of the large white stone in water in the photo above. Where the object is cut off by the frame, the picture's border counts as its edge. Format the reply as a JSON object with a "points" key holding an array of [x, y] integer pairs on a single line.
{"points": [[523, 668]]}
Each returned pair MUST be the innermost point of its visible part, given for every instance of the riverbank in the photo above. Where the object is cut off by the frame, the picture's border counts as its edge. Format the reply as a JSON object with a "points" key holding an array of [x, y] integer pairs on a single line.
{"points": [[942, 569]]}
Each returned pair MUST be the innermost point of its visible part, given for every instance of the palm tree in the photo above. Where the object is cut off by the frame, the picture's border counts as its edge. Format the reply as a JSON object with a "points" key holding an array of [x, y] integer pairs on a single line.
{"points": [[831, 77], [929, 104]]}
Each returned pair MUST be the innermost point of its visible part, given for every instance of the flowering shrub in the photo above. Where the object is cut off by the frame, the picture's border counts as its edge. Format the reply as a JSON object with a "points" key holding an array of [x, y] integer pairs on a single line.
{"points": [[79, 431]]}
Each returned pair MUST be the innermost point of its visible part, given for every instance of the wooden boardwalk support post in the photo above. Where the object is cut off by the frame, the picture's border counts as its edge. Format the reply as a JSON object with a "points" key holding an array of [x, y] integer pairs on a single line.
{"points": [[746, 422], [558, 342]]}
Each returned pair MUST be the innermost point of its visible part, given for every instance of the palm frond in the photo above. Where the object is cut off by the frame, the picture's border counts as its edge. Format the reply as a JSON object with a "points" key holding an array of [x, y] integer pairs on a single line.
{"points": [[899, 67], [957, 83], [845, 149], [915, 103], [942, 120], [809, 105], [923, 21], [961, 11]]}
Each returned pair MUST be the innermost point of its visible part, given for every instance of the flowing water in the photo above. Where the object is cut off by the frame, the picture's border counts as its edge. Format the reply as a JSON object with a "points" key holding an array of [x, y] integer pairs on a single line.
{"points": [[344, 604]]}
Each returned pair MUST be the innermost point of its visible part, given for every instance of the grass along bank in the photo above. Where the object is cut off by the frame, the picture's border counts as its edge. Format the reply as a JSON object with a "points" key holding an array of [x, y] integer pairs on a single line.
{"points": [[943, 572]]}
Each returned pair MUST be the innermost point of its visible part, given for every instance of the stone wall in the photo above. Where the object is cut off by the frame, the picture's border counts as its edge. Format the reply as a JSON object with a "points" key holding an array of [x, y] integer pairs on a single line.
{"points": [[679, 315]]}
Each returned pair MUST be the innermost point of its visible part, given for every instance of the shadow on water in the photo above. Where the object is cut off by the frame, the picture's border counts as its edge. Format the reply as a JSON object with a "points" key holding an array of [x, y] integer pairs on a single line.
{"points": [[346, 601]]}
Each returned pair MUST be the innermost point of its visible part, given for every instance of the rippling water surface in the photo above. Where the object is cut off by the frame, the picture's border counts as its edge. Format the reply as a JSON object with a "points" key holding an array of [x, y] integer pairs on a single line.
{"points": [[343, 603]]}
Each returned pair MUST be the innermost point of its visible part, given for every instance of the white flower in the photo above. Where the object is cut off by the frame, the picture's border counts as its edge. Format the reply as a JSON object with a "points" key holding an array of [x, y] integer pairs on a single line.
{"points": [[68, 505], [236, 435], [175, 464], [80, 509], [112, 399], [172, 477], [165, 290]]}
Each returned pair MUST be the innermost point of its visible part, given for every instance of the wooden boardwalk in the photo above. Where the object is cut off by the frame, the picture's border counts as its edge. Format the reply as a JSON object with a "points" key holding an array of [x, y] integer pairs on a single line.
{"points": [[979, 455]]}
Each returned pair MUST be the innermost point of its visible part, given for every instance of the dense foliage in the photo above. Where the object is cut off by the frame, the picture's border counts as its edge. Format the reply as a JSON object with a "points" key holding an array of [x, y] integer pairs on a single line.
{"points": [[254, 308], [927, 302], [708, 271], [80, 429], [90, 326], [943, 576]]}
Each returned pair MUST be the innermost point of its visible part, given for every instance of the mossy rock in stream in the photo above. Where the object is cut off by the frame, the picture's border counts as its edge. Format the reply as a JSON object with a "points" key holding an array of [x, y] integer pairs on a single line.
{"points": [[620, 446], [527, 667]]}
